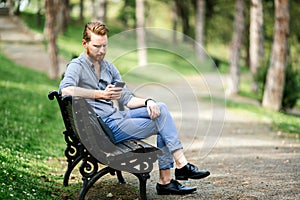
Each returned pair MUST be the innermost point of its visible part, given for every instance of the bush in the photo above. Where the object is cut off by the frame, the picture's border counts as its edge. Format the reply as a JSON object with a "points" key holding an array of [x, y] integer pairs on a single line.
{"points": [[291, 91], [260, 78]]}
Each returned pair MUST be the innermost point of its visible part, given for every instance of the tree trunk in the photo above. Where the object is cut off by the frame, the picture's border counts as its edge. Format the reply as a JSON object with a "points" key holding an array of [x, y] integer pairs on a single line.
{"points": [[10, 6], [274, 87], [200, 26], [39, 15], [141, 34], [174, 22], [81, 15], [256, 39], [65, 16], [100, 7], [59, 17], [237, 40], [17, 11], [183, 12], [51, 11]]}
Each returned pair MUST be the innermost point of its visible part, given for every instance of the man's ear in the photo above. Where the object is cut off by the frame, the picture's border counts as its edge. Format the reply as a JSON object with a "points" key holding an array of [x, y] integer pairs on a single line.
{"points": [[84, 43]]}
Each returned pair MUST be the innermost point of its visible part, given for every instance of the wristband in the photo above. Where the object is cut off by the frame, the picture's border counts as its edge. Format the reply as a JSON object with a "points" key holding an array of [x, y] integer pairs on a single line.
{"points": [[149, 99]]}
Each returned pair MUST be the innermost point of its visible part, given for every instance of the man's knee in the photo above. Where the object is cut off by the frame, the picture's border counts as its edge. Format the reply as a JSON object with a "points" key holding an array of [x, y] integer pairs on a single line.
{"points": [[162, 106]]}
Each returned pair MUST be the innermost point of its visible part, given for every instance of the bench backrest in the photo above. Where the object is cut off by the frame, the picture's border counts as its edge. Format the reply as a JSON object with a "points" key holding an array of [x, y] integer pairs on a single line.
{"points": [[64, 112], [81, 120]]}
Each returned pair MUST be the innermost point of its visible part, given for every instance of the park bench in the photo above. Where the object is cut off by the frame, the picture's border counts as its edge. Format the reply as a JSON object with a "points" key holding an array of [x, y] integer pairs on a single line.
{"points": [[89, 141]]}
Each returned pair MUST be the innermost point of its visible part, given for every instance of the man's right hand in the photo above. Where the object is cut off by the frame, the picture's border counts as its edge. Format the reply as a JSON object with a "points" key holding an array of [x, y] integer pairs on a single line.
{"points": [[112, 93]]}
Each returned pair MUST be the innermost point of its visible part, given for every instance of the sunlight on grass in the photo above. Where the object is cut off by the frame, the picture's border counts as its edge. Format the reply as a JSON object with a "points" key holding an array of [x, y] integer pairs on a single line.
{"points": [[31, 132], [284, 122]]}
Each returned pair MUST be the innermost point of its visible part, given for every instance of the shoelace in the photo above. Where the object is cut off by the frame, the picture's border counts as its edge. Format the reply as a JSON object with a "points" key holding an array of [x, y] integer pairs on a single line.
{"points": [[193, 167], [177, 183]]}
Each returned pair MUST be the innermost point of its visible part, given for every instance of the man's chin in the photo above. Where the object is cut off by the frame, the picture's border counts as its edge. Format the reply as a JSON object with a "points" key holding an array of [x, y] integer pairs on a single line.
{"points": [[99, 58]]}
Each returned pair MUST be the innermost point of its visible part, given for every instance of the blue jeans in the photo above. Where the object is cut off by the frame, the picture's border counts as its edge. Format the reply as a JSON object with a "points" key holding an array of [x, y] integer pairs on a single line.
{"points": [[136, 124]]}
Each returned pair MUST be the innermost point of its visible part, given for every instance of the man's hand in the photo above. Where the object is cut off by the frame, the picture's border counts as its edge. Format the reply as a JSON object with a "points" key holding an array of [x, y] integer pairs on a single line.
{"points": [[112, 93], [153, 109]]}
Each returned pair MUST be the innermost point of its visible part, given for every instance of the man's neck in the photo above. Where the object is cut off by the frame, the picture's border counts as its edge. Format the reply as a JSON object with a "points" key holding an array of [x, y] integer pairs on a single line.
{"points": [[93, 61], [97, 69]]}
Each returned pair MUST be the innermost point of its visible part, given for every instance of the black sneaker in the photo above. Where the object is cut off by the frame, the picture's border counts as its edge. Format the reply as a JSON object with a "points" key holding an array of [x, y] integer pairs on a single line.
{"points": [[174, 187], [190, 171]]}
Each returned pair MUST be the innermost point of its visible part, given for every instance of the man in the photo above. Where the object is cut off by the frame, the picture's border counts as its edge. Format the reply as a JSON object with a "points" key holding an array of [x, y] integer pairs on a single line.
{"points": [[91, 77]]}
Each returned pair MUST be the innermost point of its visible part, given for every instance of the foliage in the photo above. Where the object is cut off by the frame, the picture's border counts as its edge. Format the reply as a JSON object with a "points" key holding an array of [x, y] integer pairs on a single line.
{"points": [[260, 78], [219, 21], [291, 91], [33, 21], [127, 14]]}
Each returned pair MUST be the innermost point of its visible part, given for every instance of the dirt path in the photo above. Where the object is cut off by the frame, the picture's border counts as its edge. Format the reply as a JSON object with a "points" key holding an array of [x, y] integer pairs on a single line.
{"points": [[24, 46], [248, 160]]}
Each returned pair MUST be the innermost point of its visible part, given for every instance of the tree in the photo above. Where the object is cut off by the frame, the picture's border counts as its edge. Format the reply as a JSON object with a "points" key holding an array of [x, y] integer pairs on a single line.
{"points": [[52, 6], [141, 34], [199, 29], [239, 26], [127, 15], [174, 22], [275, 81], [10, 6], [256, 47], [81, 9], [183, 12], [63, 16], [99, 10], [18, 11]]}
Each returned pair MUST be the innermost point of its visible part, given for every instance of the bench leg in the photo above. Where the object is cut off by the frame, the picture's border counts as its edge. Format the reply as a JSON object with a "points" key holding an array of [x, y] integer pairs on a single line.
{"points": [[71, 166], [120, 177], [143, 182], [89, 182], [73, 153]]}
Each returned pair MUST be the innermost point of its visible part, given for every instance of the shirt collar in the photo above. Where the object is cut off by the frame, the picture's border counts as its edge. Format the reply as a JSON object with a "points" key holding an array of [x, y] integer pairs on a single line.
{"points": [[85, 59]]}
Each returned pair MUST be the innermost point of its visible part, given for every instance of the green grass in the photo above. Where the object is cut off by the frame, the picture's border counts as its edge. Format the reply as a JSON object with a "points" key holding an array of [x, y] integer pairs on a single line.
{"points": [[31, 135], [284, 122], [281, 121]]}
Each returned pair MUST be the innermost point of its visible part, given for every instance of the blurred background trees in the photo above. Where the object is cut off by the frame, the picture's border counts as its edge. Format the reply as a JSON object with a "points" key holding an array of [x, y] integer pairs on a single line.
{"points": [[239, 35]]}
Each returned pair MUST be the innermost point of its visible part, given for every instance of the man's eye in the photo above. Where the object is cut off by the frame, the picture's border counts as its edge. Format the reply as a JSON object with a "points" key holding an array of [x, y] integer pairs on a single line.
{"points": [[99, 46]]}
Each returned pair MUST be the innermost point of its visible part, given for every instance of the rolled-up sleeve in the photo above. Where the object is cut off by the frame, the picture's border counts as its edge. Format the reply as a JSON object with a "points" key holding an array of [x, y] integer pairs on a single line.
{"points": [[126, 96], [71, 76]]}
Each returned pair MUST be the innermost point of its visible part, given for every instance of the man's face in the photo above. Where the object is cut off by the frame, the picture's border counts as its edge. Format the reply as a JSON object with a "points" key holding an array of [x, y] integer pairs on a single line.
{"points": [[96, 47]]}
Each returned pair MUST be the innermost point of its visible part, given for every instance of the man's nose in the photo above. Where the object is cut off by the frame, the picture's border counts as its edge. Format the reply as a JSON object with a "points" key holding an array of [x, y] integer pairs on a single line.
{"points": [[102, 49]]}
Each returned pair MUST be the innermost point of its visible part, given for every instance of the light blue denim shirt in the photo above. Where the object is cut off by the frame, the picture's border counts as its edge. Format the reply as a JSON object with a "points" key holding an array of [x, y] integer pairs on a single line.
{"points": [[80, 72]]}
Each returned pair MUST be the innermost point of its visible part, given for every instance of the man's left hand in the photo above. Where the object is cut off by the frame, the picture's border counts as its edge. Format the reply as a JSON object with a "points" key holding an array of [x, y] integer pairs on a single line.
{"points": [[153, 109]]}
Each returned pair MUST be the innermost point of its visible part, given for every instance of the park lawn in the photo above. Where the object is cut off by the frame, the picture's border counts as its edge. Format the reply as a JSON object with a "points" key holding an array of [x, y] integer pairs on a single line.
{"points": [[31, 137]]}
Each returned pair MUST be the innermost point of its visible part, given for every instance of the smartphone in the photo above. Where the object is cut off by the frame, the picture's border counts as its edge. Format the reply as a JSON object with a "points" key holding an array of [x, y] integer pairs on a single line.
{"points": [[120, 84]]}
